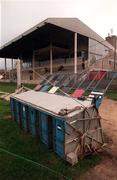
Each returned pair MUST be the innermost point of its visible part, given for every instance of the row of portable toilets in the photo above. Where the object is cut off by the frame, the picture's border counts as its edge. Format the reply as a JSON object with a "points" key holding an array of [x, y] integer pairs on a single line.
{"points": [[48, 128]]}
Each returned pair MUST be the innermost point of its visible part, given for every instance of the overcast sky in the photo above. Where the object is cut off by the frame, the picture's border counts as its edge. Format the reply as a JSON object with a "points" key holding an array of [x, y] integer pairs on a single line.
{"points": [[19, 15]]}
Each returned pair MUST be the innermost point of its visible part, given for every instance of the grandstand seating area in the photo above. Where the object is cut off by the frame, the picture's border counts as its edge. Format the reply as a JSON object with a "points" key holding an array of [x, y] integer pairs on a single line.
{"points": [[84, 81]]}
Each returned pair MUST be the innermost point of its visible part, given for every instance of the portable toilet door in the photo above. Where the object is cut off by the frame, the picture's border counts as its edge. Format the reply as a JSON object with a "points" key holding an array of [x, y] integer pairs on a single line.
{"points": [[25, 117], [32, 127], [44, 127], [50, 132], [12, 106], [37, 123], [14, 109], [59, 134], [18, 113]]}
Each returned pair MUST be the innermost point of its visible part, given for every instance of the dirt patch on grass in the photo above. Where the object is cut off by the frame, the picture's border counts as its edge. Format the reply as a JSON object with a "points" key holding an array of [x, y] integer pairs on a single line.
{"points": [[107, 168], [108, 112]]}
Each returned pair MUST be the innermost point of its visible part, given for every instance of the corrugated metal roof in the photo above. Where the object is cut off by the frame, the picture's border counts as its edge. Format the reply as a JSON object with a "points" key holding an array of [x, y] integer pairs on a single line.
{"points": [[50, 102], [75, 25], [71, 24]]}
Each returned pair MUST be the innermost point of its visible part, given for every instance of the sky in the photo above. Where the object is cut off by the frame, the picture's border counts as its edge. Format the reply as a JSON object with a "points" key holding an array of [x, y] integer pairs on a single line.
{"points": [[18, 16]]}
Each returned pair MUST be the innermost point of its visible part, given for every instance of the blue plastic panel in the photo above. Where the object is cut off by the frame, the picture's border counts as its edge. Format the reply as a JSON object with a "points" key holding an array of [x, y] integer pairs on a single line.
{"points": [[59, 136], [24, 116], [12, 108], [32, 121], [44, 128], [17, 111], [37, 123], [98, 101]]}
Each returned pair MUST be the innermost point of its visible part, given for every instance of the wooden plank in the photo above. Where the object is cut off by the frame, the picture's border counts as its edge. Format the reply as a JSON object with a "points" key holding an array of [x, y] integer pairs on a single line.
{"points": [[71, 140], [85, 119]]}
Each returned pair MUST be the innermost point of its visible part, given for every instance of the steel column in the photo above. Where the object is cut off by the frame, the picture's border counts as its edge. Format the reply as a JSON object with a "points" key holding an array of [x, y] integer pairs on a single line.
{"points": [[51, 60], [5, 67]]}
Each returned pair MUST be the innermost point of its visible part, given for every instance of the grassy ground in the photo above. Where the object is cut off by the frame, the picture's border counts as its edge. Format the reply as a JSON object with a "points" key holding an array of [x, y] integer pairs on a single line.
{"points": [[14, 140], [10, 87], [112, 94]]}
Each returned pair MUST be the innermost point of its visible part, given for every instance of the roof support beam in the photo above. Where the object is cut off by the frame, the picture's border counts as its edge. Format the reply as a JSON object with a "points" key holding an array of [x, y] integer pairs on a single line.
{"points": [[75, 53]]}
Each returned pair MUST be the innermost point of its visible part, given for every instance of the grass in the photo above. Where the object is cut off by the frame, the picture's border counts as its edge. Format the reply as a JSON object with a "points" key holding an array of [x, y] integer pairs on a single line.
{"points": [[10, 87], [15, 140], [112, 94]]}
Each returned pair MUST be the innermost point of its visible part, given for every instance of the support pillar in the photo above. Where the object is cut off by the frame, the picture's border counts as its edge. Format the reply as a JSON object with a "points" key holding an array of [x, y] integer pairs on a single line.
{"points": [[75, 53], [12, 69], [5, 65], [33, 65], [18, 73], [51, 60]]}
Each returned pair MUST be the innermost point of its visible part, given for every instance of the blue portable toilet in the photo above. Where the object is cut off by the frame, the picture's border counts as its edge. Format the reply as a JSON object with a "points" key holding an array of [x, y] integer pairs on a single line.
{"points": [[59, 135], [97, 98], [32, 117], [37, 123], [25, 116], [12, 105], [18, 112], [44, 127]]}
